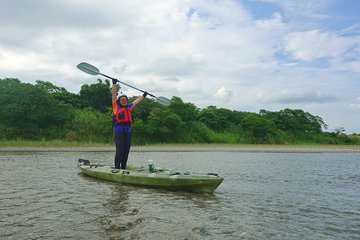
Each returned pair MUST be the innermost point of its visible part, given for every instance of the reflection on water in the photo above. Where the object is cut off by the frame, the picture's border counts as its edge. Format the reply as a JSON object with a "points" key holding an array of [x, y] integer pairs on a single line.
{"points": [[122, 217], [135, 212], [264, 195]]}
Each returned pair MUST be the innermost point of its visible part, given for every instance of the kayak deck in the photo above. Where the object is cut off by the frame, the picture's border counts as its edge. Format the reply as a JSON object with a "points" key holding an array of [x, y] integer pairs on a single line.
{"points": [[161, 178]]}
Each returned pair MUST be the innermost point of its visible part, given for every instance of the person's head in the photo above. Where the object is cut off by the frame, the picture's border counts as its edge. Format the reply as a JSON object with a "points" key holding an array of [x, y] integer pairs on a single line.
{"points": [[123, 100]]}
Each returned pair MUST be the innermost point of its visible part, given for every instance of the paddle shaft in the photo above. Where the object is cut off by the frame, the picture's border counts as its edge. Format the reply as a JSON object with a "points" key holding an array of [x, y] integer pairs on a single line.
{"points": [[92, 70], [126, 84]]}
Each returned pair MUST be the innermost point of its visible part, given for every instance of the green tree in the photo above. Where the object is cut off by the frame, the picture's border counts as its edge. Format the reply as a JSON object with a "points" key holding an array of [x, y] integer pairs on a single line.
{"points": [[142, 111], [29, 112], [97, 96], [46, 111], [188, 112], [213, 118], [198, 132], [90, 125], [260, 128], [60, 93], [163, 125], [295, 121]]}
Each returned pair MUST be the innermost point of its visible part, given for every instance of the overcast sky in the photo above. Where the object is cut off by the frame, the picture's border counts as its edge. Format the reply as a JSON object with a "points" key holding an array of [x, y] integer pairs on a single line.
{"points": [[243, 55]]}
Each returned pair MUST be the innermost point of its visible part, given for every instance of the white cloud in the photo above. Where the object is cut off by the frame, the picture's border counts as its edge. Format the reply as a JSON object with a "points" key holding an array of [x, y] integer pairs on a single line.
{"points": [[356, 104], [290, 96], [187, 86], [191, 49], [312, 9], [314, 44], [276, 21], [224, 94]]}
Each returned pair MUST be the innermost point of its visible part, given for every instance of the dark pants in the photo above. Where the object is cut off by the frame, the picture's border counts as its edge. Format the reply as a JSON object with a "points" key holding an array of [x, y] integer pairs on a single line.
{"points": [[122, 143]]}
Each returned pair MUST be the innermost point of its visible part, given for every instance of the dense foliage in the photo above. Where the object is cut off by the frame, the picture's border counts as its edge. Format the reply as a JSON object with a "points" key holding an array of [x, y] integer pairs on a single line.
{"points": [[47, 112]]}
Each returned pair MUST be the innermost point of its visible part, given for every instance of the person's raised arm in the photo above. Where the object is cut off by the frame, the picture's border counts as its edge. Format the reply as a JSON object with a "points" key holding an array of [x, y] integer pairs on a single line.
{"points": [[113, 91], [139, 99]]}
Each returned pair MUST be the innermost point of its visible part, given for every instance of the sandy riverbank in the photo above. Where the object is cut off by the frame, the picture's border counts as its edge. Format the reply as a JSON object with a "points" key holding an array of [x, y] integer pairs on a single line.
{"points": [[193, 148]]}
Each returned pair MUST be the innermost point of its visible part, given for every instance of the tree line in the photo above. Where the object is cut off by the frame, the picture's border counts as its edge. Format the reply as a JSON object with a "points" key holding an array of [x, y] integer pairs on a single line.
{"points": [[44, 111]]}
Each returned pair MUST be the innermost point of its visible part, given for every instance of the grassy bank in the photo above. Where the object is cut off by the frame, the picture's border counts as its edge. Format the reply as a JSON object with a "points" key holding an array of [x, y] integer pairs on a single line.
{"points": [[62, 143], [58, 145], [43, 143]]}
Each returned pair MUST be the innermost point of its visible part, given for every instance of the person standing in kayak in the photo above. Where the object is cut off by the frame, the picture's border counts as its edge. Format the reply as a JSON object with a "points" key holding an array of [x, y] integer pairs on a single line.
{"points": [[122, 123]]}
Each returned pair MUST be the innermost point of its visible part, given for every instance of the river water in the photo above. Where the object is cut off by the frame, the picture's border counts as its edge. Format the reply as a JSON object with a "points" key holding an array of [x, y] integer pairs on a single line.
{"points": [[264, 196]]}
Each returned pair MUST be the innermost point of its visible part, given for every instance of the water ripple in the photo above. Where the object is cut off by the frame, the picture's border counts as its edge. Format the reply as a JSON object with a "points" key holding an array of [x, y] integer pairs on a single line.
{"points": [[263, 196]]}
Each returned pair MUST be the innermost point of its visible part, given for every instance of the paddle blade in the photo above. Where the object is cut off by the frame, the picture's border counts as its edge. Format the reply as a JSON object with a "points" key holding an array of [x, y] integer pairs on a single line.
{"points": [[163, 101], [88, 68]]}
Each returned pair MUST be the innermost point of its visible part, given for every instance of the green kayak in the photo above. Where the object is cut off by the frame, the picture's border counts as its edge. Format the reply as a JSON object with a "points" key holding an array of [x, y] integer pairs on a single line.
{"points": [[160, 178]]}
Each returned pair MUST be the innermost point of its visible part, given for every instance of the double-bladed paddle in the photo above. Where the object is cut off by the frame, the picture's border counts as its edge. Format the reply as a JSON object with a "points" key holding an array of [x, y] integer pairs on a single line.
{"points": [[92, 70]]}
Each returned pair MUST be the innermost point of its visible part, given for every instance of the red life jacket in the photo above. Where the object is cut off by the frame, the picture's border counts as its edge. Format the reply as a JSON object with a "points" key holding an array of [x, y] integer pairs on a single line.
{"points": [[124, 115]]}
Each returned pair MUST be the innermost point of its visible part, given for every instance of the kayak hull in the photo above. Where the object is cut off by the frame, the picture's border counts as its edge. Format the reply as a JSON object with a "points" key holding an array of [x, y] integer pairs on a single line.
{"points": [[161, 178]]}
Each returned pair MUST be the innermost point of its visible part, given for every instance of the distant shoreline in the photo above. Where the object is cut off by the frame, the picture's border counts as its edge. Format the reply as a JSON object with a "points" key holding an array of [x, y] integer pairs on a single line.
{"points": [[195, 148]]}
